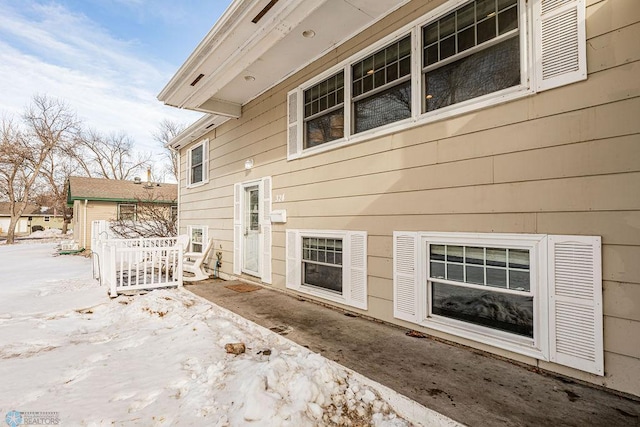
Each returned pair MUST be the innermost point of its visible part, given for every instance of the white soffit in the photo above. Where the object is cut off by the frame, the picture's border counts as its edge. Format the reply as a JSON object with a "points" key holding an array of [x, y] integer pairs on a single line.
{"points": [[268, 51]]}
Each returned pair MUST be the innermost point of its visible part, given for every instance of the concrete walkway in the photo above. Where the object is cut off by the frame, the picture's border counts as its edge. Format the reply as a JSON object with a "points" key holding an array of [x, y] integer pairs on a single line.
{"points": [[465, 385]]}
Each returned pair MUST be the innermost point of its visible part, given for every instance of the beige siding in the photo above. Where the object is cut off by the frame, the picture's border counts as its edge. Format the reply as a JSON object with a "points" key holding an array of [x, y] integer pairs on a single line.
{"points": [[94, 211], [54, 222], [565, 161]]}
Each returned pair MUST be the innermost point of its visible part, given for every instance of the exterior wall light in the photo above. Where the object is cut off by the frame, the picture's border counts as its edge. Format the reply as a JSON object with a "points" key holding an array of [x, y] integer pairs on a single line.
{"points": [[248, 164]]}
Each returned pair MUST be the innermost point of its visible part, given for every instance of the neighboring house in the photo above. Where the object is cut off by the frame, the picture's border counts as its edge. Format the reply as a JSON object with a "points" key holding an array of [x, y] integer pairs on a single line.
{"points": [[465, 168], [110, 199], [33, 216]]}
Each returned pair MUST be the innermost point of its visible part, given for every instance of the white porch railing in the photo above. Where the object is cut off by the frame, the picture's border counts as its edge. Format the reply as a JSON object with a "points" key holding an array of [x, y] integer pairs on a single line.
{"points": [[133, 264]]}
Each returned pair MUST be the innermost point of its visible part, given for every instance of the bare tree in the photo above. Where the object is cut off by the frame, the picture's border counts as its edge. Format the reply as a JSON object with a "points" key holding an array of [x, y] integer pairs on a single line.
{"points": [[108, 156], [167, 130], [48, 123], [152, 218], [56, 170]]}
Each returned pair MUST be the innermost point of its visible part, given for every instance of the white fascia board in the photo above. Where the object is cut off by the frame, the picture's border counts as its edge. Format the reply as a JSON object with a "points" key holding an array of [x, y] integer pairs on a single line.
{"points": [[214, 38], [281, 19]]}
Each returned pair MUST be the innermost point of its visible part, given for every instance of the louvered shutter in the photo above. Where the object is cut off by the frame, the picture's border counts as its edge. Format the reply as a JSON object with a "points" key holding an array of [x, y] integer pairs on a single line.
{"points": [[205, 160], [293, 129], [265, 222], [405, 276], [294, 261], [575, 302], [358, 269], [189, 155], [559, 42], [237, 229]]}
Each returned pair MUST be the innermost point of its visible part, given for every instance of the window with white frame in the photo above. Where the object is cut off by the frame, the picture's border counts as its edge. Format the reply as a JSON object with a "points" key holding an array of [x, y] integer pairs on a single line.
{"points": [[480, 285], [174, 213], [381, 84], [46, 219], [198, 235], [322, 263], [468, 55], [328, 264], [324, 111], [127, 212], [533, 294], [198, 164], [471, 51]]}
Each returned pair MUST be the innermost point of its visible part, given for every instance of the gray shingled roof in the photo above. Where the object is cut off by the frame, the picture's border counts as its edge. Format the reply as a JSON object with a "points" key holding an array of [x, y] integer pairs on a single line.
{"points": [[81, 188], [30, 209]]}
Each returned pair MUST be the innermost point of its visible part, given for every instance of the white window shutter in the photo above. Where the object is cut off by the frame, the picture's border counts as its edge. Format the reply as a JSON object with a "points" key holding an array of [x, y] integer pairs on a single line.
{"points": [[575, 302], [405, 276], [559, 42], [237, 229], [189, 167], [294, 131], [265, 222], [357, 273], [294, 260], [205, 160]]}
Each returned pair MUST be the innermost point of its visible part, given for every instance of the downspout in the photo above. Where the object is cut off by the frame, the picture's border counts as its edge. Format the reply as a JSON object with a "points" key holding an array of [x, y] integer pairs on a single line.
{"points": [[84, 228]]}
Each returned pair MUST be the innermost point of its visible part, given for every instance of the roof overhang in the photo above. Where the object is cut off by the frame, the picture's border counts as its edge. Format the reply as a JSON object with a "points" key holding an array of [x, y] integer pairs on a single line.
{"points": [[197, 130], [257, 44]]}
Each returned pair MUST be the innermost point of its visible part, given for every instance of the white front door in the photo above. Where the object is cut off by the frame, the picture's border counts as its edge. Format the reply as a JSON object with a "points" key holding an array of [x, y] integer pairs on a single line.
{"points": [[251, 230]]}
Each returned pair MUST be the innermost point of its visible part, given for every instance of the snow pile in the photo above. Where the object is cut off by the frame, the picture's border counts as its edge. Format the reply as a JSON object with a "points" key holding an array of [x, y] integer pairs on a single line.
{"points": [[157, 359], [49, 233]]}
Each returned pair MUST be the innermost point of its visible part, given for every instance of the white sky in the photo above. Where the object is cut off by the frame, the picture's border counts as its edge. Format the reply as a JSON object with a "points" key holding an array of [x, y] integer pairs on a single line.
{"points": [[108, 59]]}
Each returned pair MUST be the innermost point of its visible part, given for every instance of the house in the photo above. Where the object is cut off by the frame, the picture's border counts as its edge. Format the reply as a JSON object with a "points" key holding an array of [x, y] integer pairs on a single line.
{"points": [[33, 218], [110, 199], [465, 168]]}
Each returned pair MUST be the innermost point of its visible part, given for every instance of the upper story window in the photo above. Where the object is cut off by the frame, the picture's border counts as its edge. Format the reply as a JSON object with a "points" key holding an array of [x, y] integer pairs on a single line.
{"points": [[198, 164], [324, 111], [382, 86], [461, 56], [174, 213], [470, 52], [46, 219]]}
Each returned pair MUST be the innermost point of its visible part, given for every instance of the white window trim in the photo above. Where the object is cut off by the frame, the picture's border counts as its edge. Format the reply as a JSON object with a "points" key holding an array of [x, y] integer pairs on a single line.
{"points": [[294, 267], [536, 244], [205, 164], [530, 81], [205, 237]]}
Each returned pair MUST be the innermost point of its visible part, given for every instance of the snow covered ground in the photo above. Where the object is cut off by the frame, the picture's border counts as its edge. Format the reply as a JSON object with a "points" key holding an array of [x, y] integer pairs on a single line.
{"points": [[158, 359]]}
